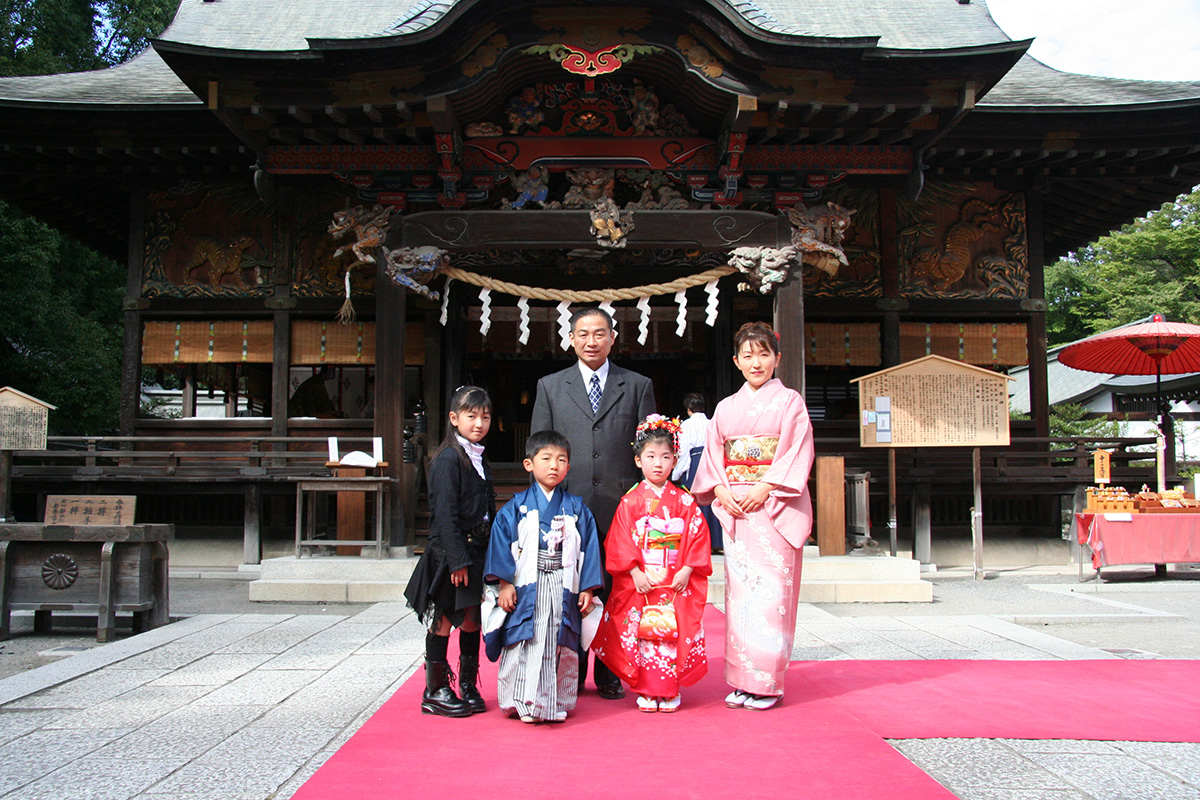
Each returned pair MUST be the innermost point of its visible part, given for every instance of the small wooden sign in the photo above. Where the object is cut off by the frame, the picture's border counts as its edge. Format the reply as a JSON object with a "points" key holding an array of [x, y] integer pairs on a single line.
{"points": [[1102, 466], [67, 509], [22, 420]]}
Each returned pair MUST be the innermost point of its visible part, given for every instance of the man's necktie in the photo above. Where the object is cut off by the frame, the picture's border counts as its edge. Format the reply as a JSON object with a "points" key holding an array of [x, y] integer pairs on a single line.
{"points": [[594, 392]]}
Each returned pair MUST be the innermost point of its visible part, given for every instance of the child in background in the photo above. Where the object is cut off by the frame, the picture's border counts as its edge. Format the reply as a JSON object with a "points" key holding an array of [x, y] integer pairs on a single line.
{"points": [[652, 634], [447, 586], [545, 556]]}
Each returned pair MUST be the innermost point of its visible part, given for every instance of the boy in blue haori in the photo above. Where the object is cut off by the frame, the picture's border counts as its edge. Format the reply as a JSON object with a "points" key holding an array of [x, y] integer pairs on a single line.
{"points": [[545, 555]]}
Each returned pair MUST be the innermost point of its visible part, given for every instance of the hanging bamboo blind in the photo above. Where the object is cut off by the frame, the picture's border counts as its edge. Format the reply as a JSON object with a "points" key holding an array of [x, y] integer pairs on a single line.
{"points": [[982, 344], [833, 345], [329, 342], [214, 341]]}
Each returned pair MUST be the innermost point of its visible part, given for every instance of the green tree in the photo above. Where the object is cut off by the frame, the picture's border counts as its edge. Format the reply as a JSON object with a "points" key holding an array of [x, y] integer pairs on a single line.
{"points": [[39, 37], [60, 319], [62, 324], [1150, 266]]}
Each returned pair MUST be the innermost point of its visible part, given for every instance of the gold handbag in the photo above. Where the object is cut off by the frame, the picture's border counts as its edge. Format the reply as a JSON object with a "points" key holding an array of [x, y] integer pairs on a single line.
{"points": [[658, 622]]}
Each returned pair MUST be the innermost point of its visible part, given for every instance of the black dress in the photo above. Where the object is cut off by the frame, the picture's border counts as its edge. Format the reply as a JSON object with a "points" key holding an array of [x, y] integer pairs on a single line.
{"points": [[462, 506]]}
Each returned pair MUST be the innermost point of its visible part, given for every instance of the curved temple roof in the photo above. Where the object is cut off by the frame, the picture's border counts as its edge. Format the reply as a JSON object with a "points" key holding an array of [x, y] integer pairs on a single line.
{"points": [[290, 28], [1124, 146]]}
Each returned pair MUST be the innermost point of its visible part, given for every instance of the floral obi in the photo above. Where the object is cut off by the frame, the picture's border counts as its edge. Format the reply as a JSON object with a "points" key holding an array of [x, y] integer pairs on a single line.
{"points": [[659, 540], [747, 458]]}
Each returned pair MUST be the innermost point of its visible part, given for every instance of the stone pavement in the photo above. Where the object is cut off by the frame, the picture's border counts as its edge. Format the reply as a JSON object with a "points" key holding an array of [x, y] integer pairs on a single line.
{"points": [[223, 706]]}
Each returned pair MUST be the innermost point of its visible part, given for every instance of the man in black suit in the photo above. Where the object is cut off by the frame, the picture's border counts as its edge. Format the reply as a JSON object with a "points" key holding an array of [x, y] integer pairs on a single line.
{"points": [[597, 406]]}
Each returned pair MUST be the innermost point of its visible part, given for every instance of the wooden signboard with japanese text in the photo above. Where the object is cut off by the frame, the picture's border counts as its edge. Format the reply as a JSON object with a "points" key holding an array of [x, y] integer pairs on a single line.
{"points": [[933, 402]]}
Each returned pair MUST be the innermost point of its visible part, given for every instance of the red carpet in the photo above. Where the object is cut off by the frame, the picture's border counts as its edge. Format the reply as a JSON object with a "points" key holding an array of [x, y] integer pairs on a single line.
{"points": [[1111, 700], [609, 749], [828, 735]]}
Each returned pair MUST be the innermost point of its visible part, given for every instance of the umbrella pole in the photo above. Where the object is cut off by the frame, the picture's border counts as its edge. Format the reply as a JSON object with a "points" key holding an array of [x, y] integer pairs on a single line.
{"points": [[1160, 441]]}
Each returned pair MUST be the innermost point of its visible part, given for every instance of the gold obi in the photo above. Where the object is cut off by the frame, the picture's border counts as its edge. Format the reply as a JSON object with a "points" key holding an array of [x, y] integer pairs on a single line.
{"points": [[747, 458]]}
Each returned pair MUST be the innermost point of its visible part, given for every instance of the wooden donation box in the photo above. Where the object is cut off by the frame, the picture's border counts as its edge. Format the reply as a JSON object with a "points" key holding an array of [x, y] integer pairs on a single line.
{"points": [[85, 558]]}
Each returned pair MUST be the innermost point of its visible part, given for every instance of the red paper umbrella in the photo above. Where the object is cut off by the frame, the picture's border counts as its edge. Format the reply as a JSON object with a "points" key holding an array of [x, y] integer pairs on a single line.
{"points": [[1152, 348]]}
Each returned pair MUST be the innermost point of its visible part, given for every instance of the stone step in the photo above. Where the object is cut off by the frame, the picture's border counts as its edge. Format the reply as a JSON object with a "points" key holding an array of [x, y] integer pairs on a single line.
{"points": [[355, 568], [352, 579], [327, 591]]}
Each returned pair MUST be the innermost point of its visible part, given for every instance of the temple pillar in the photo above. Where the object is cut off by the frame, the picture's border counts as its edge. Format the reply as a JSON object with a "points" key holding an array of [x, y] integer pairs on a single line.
{"points": [[390, 323], [131, 361], [1039, 391], [789, 323]]}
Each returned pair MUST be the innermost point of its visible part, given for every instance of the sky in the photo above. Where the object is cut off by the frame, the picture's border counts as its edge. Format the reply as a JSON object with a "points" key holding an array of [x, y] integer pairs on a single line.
{"points": [[1144, 39]]}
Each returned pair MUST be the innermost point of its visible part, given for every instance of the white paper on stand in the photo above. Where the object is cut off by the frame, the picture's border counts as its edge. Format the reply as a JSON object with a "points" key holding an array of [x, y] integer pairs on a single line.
{"points": [[358, 458], [333, 450], [377, 448]]}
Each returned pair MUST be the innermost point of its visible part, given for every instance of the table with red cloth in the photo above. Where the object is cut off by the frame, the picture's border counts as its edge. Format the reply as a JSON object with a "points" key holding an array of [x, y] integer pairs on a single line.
{"points": [[1125, 538]]}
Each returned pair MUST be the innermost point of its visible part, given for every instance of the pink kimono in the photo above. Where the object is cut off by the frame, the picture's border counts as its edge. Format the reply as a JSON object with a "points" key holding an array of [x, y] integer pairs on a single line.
{"points": [[755, 436]]}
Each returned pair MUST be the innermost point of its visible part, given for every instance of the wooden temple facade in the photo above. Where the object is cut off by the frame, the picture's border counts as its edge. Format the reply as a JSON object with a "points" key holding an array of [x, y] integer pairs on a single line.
{"points": [[884, 180]]}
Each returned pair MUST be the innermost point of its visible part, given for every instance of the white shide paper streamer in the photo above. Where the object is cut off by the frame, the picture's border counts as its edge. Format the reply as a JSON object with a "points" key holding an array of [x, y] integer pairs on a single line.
{"points": [[643, 305], [564, 325], [446, 302], [681, 317], [608, 307], [485, 312], [523, 304], [711, 308]]}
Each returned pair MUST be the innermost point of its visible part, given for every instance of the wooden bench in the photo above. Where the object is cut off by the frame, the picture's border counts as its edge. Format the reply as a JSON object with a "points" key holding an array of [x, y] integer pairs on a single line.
{"points": [[87, 557]]}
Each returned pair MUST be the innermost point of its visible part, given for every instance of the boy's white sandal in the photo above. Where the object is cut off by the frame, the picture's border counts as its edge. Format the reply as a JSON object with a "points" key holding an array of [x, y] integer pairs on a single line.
{"points": [[647, 704], [736, 699], [760, 702]]}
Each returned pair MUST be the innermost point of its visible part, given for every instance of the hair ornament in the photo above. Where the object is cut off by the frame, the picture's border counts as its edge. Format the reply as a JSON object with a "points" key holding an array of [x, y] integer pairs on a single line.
{"points": [[657, 422]]}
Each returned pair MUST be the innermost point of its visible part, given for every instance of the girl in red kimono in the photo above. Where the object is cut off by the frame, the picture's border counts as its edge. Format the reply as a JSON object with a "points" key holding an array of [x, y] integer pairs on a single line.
{"points": [[658, 554]]}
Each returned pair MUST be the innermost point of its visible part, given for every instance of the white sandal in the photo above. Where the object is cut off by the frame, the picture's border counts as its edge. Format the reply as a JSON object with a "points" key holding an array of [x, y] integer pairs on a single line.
{"points": [[647, 704], [736, 699], [761, 702]]}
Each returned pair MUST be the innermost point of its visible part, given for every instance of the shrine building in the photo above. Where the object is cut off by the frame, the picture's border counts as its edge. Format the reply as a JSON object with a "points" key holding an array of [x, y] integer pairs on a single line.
{"points": [[403, 198]]}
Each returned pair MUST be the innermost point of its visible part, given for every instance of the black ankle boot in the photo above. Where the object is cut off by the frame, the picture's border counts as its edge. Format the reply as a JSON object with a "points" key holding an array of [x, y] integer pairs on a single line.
{"points": [[439, 697], [468, 683]]}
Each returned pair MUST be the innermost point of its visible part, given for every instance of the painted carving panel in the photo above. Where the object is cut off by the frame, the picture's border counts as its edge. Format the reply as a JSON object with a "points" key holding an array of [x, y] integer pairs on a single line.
{"points": [[963, 240], [206, 240], [323, 256], [859, 277]]}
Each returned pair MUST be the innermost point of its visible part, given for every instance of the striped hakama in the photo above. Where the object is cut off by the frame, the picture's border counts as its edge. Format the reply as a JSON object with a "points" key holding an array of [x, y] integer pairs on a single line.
{"points": [[539, 678]]}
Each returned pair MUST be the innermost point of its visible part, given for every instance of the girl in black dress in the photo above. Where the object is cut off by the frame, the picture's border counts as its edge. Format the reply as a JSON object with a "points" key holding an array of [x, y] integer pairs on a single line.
{"points": [[447, 586]]}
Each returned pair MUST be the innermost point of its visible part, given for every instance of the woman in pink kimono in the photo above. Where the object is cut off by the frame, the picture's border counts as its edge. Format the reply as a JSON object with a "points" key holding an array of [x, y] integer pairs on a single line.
{"points": [[754, 471]]}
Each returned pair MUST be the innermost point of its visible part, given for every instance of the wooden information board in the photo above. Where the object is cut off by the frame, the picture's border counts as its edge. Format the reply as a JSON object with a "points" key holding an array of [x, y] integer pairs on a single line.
{"points": [[933, 402]]}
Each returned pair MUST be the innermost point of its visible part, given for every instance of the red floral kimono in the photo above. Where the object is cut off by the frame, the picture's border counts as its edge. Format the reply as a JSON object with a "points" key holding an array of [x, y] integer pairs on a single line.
{"points": [[659, 535]]}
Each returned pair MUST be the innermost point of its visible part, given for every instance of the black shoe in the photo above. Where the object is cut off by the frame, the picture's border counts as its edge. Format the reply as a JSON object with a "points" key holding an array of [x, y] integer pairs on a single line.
{"points": [[468, 683], [611, 691], [439, 697]]}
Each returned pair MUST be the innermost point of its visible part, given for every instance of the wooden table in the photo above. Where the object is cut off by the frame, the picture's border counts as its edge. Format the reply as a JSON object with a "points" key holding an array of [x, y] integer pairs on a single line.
{"points": [[1125, 538], [306, 529], [92, 569]]}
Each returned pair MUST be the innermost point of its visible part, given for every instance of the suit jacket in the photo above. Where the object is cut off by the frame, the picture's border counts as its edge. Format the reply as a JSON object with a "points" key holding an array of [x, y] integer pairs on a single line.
{"points": [[602, 468]]}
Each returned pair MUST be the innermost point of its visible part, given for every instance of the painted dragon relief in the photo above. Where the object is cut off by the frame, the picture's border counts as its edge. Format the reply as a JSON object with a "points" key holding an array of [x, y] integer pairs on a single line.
{"points": [[967, 247]]}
